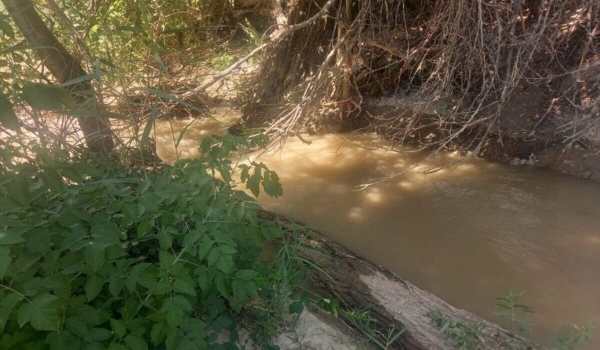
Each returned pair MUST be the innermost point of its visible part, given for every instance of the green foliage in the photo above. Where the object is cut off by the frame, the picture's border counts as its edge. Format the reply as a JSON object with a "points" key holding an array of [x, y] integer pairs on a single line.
{"points": [[467, 336], [573, 336], [8, 118], [362, 320], [508, 307], [47, 97], [222, 60], [93, 255], [5, 26], [331, 306], [254, 37]]}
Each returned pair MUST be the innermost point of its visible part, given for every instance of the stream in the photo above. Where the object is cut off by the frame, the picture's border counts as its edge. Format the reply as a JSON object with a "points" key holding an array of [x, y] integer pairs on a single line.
{"points": [[468, 233]]}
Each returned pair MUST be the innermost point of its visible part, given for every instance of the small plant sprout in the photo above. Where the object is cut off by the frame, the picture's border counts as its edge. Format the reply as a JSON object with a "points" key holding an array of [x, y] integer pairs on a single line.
{"points": [[509, 308], [466, 336]]}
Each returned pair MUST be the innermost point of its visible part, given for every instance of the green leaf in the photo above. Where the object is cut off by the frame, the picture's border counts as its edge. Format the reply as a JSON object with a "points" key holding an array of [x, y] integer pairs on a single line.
{"points": [[136, 276], [206, 144], [40, 313], [97, 334], [182, 133], [158, 333], [130, 213], [175, 308], [83, 78], [148, 128], [6, 308], [204, 247], [165, 238], [7, 29], [8, 238], [144, 227], [204, 281], [251, 290], [52, 180], [115, 346], [272, 184], [227, 249], [76, 234], [213, 256], [225, 263], [106, 234], [8, 118], [4, 260], [185, 285], [19, 191], [246, 274], [296, 307], [8, 204], [222, 286], [253, 183], [238, 290], [93, 286], [192, 237], [115, 285], [135, 343], [63, 340], [47, 97], [159, 60], [94, 258]]}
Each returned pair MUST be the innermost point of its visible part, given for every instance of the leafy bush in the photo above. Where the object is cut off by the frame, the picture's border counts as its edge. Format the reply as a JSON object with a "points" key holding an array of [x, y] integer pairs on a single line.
{"points": [[93, 255]]}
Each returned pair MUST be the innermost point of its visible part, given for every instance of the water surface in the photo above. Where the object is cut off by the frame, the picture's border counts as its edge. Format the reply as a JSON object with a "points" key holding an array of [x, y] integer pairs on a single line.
{"points": [[467, 233]]}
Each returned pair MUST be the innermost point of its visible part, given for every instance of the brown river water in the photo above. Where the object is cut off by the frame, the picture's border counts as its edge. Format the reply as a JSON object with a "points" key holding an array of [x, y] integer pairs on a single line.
{"points": [[467, 233]]}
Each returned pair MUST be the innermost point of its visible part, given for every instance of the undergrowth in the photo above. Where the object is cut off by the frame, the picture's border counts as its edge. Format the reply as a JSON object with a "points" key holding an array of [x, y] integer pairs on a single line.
{"points": [[465, 335], [469, 335], [94, 255], [363, 321]]}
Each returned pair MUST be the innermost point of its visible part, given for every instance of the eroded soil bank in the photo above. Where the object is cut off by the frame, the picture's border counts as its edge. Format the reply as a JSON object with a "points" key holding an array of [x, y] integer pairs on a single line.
{"points": [[521, 138]]}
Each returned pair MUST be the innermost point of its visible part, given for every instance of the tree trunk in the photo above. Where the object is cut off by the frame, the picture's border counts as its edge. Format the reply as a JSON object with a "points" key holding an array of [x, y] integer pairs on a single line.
{"points": [[64, 67]]}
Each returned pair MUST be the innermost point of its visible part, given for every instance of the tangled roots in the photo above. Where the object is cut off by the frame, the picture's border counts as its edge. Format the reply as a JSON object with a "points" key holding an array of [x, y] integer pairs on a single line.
{"points": [[483, 55]]}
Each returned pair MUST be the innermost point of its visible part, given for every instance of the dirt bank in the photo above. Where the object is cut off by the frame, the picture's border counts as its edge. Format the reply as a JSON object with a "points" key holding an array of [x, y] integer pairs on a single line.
{"points": [[522, 138]]}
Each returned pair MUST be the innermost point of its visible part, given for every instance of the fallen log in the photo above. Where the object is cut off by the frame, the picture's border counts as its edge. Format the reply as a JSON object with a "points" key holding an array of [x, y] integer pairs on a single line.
{"points": [[392, 301]]}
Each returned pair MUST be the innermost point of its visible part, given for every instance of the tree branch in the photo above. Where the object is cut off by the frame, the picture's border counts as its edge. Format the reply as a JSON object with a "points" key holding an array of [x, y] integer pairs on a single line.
{"points": [[290, 29]]}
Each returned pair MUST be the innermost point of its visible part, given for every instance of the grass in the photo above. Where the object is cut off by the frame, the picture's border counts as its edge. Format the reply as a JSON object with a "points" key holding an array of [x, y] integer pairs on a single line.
{"points": [[222, 60], [361, 320], [467, 336]]}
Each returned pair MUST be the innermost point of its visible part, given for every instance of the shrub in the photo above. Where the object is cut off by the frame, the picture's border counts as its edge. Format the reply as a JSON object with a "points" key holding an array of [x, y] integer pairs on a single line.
{"points": [[94, 255]]}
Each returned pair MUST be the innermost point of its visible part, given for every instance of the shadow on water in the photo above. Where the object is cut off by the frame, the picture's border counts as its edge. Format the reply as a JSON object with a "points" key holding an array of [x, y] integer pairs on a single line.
{"points": [[467, 233]]}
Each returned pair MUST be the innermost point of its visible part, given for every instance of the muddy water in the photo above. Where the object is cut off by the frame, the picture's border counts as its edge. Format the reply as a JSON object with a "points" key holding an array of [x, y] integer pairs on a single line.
{"points": [[467, 233]]}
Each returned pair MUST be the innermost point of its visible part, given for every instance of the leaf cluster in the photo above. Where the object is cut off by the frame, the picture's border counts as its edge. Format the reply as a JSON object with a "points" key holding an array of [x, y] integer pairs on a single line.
{"points": [[93, 255]]}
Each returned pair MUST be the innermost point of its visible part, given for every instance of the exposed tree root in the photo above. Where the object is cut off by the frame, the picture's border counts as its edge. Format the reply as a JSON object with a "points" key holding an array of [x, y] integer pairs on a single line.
{"points": [[485, 55]]}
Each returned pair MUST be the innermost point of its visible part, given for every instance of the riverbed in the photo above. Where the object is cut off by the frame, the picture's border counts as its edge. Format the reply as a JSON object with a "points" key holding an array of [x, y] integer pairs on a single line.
{"points": [[468, 232]]}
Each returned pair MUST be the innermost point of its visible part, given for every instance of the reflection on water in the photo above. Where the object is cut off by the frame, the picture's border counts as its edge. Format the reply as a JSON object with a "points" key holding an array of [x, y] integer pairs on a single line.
{"points": [[467, 233], [169, 145]]}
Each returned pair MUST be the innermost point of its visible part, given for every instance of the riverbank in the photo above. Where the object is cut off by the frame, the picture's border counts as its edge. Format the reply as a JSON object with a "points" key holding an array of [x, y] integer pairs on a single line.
{"points": [[392, 302], [523, 138]]}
